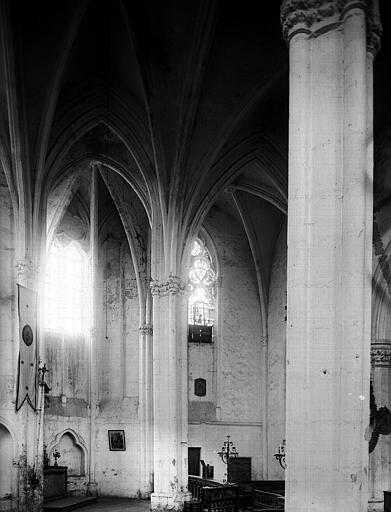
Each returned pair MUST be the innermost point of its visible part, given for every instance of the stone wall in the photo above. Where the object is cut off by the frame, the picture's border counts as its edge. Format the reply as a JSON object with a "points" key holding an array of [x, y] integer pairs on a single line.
{"points": [[8, 344], [117, 338], [232, 365], [276, 357], [8, 341]]}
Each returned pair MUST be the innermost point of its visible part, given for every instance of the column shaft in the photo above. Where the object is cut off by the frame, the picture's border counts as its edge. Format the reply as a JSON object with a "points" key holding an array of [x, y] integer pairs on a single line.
{"points": [[169, 396], [92, 391], [329, 269]]}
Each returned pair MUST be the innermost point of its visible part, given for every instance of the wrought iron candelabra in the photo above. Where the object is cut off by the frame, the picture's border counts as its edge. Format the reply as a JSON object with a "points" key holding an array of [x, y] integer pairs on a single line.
{"points": [[228, 451], [280, 455]]}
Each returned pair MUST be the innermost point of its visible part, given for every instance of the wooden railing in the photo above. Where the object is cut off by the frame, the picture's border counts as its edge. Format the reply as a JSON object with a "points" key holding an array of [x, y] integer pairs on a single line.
{"points": [[264, 500], [213, 496], [196, 483]]}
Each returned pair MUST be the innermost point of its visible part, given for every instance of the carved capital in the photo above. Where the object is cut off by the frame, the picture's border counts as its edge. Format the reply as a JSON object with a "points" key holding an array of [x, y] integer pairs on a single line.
{"points": [[146, 330], [173, 285], [381, 353], [25, 268], [314, 17], [374, 28], [306, 16]]}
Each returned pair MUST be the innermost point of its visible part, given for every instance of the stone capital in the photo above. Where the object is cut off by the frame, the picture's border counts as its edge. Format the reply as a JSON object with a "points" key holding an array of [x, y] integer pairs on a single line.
{"points": [[315, 17], [146, 330], [25, 268], [173, 285], [381, 353]]}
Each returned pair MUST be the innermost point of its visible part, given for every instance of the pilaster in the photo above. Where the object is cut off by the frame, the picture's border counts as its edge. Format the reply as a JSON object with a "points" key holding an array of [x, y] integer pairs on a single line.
{"points": [[145, 406], [92, 378]]}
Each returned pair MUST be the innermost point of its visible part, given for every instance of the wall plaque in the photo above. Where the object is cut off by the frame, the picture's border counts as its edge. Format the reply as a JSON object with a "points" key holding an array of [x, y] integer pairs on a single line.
{"points": [[200, 387]]}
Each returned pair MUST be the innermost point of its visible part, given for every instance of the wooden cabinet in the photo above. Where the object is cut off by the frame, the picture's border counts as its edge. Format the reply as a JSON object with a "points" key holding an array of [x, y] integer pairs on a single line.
{"points": [[239, 469], [54, 482]]}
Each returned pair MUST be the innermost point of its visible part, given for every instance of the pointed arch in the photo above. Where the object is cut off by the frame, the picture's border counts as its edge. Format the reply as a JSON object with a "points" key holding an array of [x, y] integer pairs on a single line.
{"points": [[79, 443]]}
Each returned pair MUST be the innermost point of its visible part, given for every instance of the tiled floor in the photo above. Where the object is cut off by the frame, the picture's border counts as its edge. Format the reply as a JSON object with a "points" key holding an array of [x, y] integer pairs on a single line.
{"points": [[117, 505]]}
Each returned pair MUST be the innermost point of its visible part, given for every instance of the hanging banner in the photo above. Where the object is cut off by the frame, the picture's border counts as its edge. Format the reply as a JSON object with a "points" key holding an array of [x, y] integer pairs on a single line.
{"points": [[27, 371]]}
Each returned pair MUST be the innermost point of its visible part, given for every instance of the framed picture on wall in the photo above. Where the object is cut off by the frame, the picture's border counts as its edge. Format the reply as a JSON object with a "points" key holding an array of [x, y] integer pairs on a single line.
{"points": [[117, 440]]}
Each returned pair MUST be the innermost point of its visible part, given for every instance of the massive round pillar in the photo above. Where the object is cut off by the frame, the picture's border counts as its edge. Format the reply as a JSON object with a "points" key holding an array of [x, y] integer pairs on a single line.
{"points": [[329, 254], [169, 394]]}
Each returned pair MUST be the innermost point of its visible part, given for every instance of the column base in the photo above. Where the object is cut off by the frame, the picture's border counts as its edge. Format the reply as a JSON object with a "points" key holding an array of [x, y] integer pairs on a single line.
{"points": [[161, 501], [92, 489]]}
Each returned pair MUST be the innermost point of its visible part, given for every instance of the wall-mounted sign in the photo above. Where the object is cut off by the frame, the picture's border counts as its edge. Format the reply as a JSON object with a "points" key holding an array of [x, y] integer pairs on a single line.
{"points": [[200, 387]]}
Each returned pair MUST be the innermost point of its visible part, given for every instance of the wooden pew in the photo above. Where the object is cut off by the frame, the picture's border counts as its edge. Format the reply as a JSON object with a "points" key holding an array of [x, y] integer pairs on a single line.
{"points": [[246, 491]]}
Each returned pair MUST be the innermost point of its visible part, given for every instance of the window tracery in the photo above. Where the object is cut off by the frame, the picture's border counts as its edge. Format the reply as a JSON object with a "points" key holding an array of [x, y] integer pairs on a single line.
{"points": [[202, 280]]}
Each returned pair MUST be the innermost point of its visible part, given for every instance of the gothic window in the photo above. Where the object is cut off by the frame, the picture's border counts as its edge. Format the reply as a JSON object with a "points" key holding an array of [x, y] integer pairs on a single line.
{"points": [[67, 288], [202, 279]]}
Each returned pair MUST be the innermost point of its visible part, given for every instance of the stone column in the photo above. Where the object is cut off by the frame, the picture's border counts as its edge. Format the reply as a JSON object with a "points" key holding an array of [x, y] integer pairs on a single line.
{"points": [[145, 405], [329, 256], [149, 396], [380, 458], [169, 395], [92, 381]]}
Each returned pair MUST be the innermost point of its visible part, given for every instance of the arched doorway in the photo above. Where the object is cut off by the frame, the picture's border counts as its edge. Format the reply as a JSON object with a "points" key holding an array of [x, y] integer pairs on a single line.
{"points": [[6, 450]]}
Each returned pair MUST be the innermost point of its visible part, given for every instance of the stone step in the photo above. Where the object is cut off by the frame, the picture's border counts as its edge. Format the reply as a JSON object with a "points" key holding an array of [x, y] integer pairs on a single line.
{"points": [[68, 503]]}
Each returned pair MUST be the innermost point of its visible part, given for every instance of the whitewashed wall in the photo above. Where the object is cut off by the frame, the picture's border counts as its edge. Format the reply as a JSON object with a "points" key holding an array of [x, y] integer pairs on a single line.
{"points": [[8, 342], [232, 367], [276, 357]]}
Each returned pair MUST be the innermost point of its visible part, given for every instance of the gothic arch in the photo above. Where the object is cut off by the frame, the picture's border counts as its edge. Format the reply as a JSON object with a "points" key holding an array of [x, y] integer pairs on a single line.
{"points": [[256, 150], [11, 429], [78, 441], [8, 446]]}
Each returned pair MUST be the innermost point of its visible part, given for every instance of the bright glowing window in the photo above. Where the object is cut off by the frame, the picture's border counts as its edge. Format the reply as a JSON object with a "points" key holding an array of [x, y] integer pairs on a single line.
{"points": [[202, 279], [67, 290]]}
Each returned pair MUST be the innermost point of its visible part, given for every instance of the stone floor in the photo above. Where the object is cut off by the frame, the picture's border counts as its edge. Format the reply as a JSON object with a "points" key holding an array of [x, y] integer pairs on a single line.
{"points": [[117, 505]]}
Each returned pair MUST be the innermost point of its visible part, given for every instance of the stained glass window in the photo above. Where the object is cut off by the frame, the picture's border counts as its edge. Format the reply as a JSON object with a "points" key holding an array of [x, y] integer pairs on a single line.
{"points": [[202, 279]]}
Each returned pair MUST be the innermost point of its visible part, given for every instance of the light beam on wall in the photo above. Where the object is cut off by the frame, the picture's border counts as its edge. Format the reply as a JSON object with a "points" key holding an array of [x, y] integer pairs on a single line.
{"points": [[66, 293]]}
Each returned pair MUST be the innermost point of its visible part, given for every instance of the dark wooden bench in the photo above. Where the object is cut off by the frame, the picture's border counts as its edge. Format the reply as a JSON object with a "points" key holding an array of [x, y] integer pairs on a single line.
{"points": [[212, 496]]}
